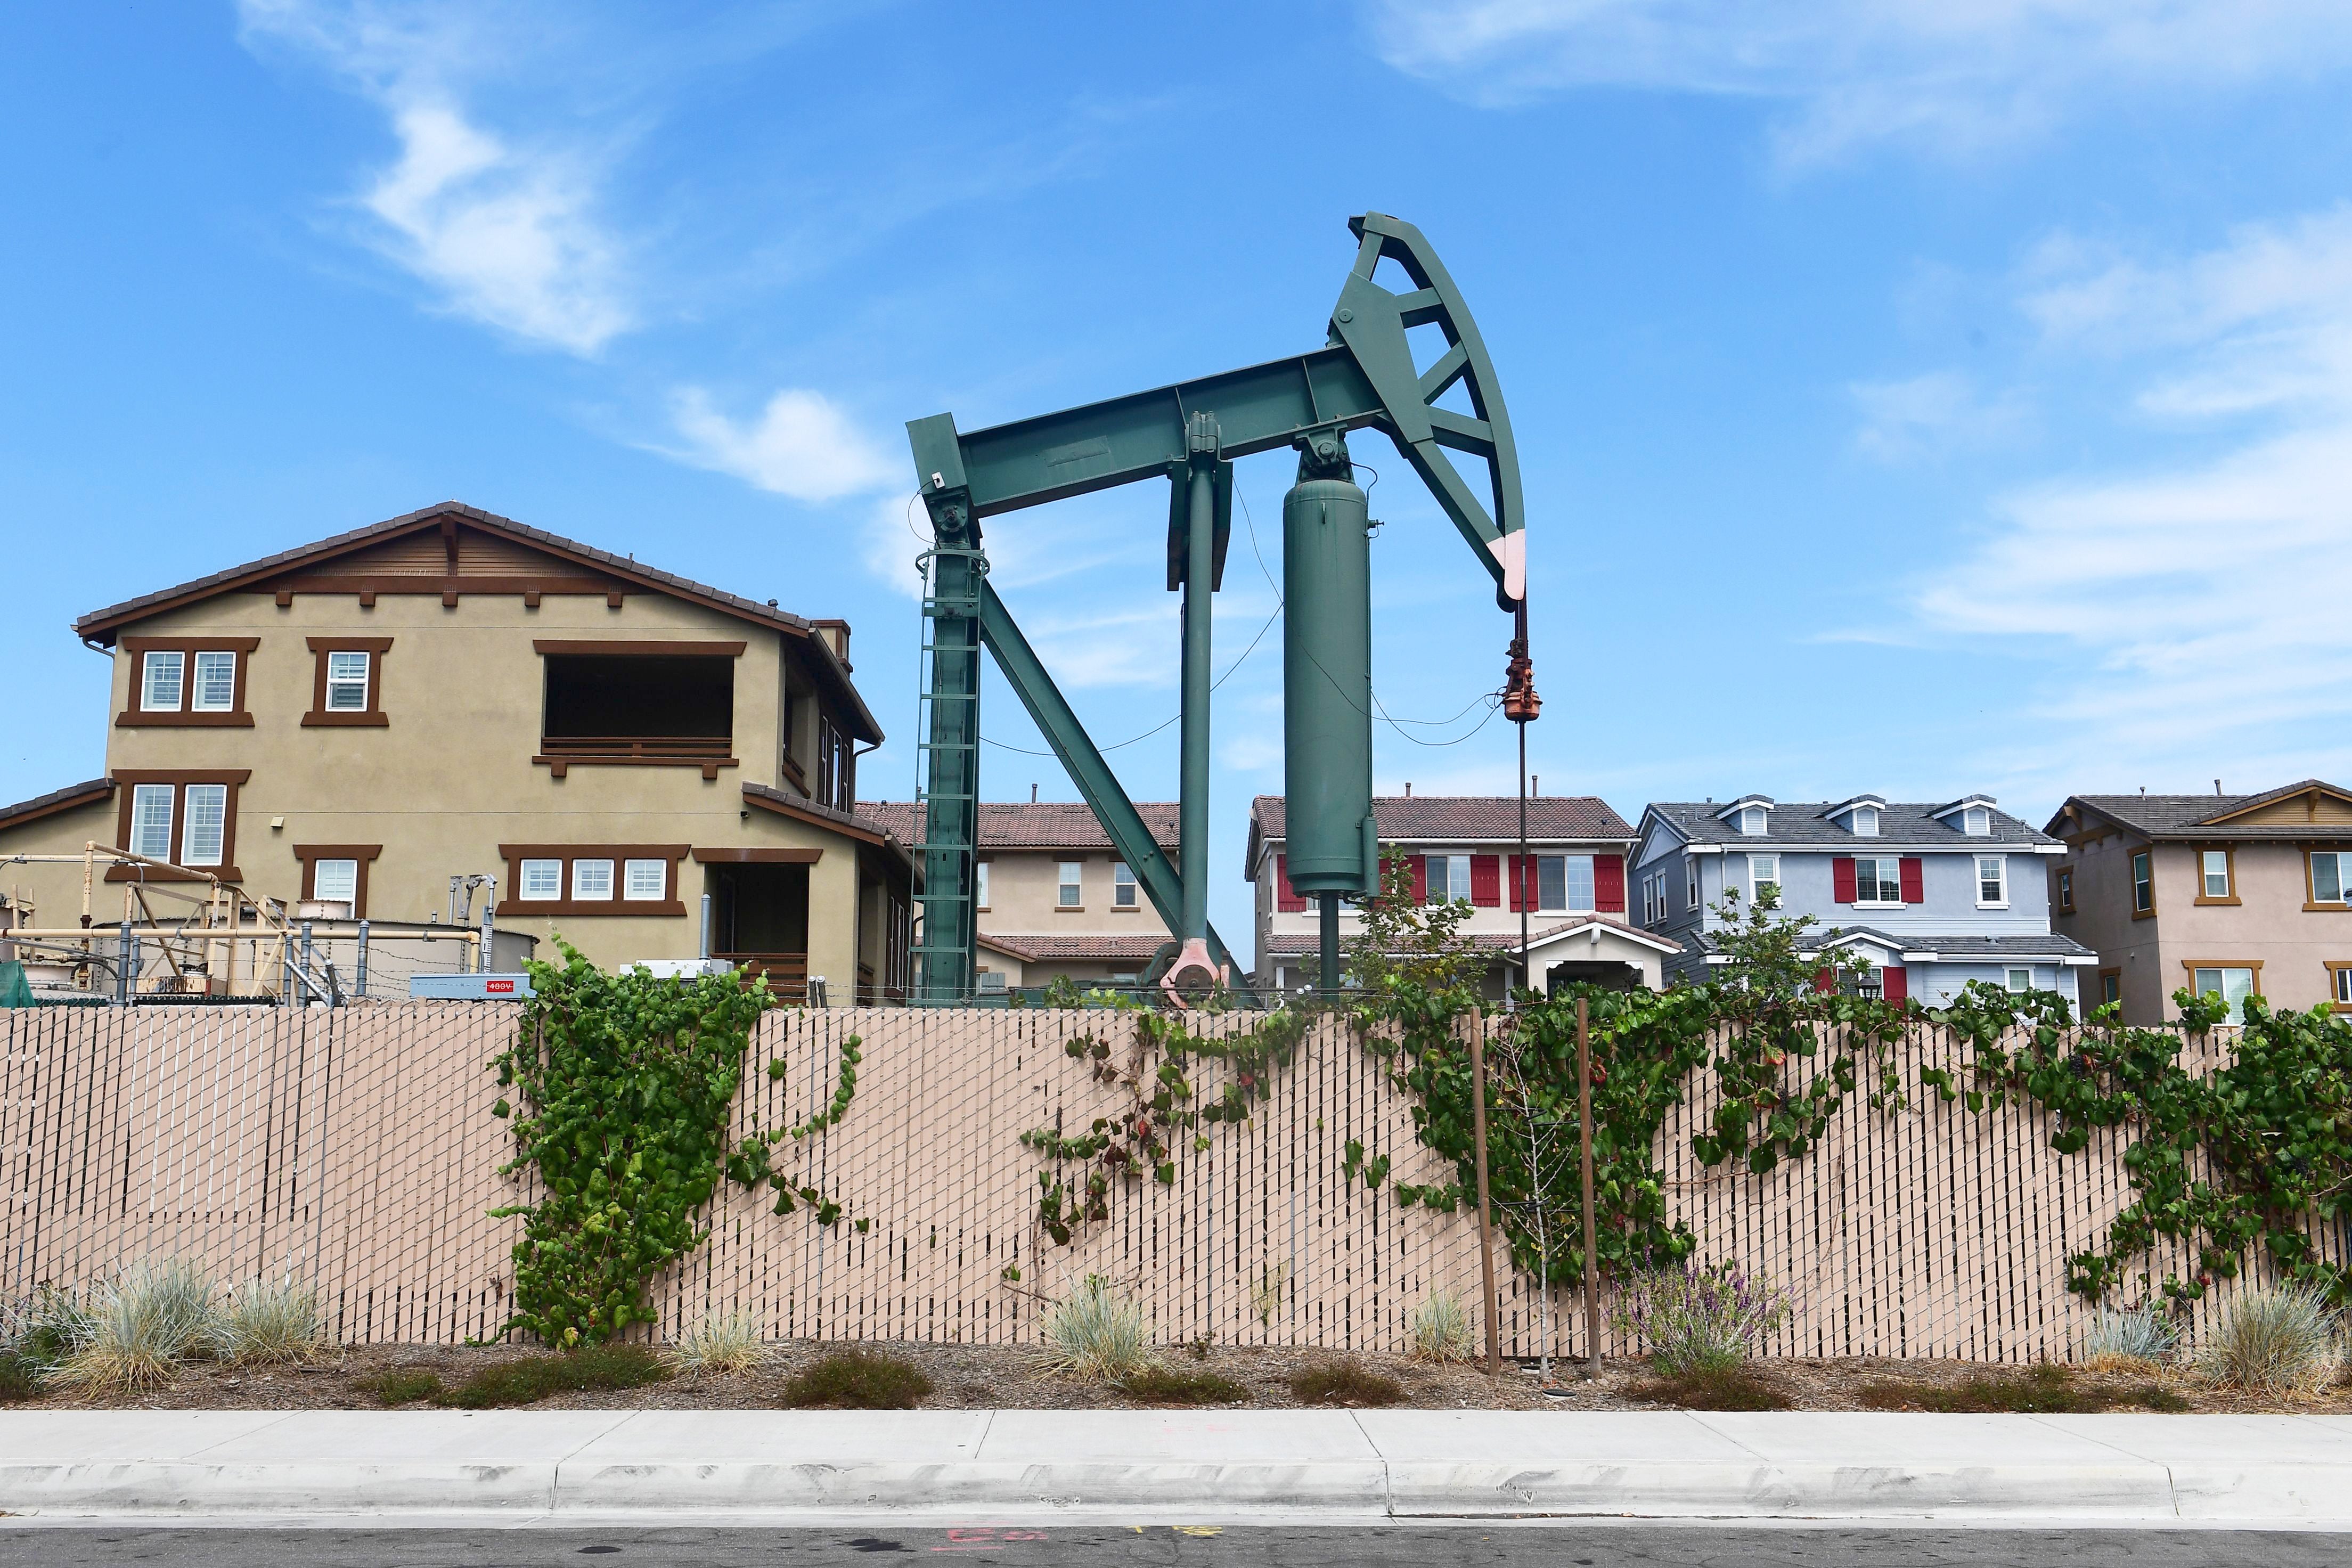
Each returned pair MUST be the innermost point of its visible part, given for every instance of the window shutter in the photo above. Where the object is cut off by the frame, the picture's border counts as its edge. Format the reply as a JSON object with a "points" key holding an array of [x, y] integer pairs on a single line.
{"points": [[1915, 880], [1825, 981], [1896, 984], [1485, 882], [1609, 884], [1420, 878], [1287, 898], [1518, 884], [1841, 878]]}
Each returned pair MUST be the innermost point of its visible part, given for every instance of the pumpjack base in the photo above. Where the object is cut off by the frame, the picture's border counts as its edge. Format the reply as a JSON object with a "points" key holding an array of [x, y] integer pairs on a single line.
{"points": [[1195, 955]]}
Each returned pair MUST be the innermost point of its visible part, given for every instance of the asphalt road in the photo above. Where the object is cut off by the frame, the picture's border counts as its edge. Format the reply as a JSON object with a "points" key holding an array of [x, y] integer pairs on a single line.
{"points": [[1160, 1546]]}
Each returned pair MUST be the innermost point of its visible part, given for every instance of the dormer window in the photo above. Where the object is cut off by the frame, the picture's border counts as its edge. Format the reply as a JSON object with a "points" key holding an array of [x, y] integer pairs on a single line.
{"points": [[1752, 821], [1976, 822], [1865, 822]]}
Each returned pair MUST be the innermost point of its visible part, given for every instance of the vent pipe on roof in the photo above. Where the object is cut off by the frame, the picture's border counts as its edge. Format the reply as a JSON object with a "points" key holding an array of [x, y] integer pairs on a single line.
{"points": [[1408, 789], [1032, 794], [1535, 784], [2217, 786]]}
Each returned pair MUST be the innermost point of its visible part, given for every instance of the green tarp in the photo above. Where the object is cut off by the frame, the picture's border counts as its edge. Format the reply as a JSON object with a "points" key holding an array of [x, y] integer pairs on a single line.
{"points": [[14, 991]]}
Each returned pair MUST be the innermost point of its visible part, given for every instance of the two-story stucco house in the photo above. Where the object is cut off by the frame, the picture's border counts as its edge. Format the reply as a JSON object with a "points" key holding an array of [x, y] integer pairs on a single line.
{"points": [[654, 768], [1055, 899], [1569, 890], [1933, 896], [2227, 894]]}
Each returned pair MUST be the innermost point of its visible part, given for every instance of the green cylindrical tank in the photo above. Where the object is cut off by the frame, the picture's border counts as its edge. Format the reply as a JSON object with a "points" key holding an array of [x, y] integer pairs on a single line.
{"points": [[1326, 685]]}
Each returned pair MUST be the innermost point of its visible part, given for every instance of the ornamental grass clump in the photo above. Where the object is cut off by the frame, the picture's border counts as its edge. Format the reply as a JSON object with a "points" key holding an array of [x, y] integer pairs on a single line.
{"points": [[1442, 1331], [1700, 1319], [269, 1322], [858, 1380], [2281, 1340], [2134, 1338], [134, 1331], [1098, 1332], [723, 1342]]}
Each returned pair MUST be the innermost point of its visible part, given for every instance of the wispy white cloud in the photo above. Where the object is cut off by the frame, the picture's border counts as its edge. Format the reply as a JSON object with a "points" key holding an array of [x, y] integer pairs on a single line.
{"points": [[505, 229], [1954, 78], [2203, 600], [1931, 415], [802, 444]]}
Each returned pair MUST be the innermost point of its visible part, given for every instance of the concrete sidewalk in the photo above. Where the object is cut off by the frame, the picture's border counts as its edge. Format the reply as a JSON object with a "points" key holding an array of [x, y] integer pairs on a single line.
{"points": [[2263, 1469]]}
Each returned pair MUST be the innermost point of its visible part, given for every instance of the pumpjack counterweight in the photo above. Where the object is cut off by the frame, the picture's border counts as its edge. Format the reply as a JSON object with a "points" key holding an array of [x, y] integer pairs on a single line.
{"points": [[1189, 434]]}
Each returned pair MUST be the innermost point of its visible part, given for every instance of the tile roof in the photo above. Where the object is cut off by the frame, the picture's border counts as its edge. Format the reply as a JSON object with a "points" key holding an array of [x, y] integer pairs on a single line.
{"points": [[1460, 819], [2191, 815], [101, 624], [57, 800], [1030, 825], [1905, 824], [1948, 949], [1290, 941], [855, 824], [1031, 949]]}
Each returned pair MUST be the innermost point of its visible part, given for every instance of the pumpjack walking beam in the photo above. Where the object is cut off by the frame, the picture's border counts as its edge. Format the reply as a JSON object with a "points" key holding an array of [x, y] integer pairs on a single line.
{"points": [[1189, 434]]}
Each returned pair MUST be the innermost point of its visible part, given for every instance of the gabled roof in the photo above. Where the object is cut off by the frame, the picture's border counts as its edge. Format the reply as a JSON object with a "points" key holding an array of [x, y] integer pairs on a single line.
{"points": [[1112, 948], [102, 626], [1806, 824], [2209, 816], [87, 793], [1462, 819], [2013, 948], [1842, 807], [848, 823], [1030, 825]]}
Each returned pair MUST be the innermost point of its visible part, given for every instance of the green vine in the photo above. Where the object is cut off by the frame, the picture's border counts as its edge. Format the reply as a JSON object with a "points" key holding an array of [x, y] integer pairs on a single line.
{"points": [[626, 1084]]}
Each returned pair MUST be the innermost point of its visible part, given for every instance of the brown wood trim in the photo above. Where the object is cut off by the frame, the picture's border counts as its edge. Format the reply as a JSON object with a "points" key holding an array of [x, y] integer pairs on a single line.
{"points": [[515, 854], [2312, 905], [234, 778], [2332, 966], [2229, 868], [89, 796], [623, 647], [736, 856], [809, 814], [134, 716], [2192, 966], [2062, 890], [311, 854], [284, 588], [372, 717], [2118, 974], [2130, 886], [557, 766]]}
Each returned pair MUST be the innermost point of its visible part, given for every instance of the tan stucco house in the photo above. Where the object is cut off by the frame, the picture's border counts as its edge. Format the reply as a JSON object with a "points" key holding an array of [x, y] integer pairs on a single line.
{"points": [[645, 764], [1056, 900], [2228, 894]]}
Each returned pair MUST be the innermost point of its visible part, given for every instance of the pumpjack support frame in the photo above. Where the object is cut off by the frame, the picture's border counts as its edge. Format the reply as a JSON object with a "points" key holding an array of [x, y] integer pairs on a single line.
{"points": [[1189, 432]]}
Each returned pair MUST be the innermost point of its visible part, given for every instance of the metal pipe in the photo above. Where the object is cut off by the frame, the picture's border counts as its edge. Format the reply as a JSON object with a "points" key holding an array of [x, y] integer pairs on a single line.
{"points": [[1331, 911], [359, 967], [1200, 567], [490, 921], [308, 983], [1486, 1209], [1591, 1233], [123, 968], [705, 950]]}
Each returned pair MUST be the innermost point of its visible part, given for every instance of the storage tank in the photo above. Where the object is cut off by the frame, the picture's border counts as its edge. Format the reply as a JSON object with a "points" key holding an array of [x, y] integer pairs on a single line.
{"points": [[1327, 675]]}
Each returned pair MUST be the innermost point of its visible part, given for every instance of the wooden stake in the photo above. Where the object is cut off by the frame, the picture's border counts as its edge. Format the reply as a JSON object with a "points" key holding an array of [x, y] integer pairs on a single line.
{"points": [[1591, 1232], [1485, 1213]]}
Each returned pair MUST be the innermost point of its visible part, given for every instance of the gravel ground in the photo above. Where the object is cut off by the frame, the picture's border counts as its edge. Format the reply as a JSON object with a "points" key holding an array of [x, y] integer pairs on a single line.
{"points": [[1004, 1377]]}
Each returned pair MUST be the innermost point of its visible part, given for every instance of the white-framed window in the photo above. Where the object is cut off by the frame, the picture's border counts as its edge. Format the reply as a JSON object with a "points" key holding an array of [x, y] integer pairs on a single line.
{"points": [[1069, 885], [2019, 978], [335, 880], [1449, 878], [2233, 985], [980, 883], [160, 675], [1865, 822], [347, 682], [2342, 986], [1976, 821], [2143, 877], [644, 881], [591, 880], [1122, 886], [1877, 879], [1992, 880], [214, 687], [151, 820], [542, 881], [2213, 872], [1693, 890], [1563, 882], [2330, 876], [1763, 876], [1752, 821], [201, 834]]}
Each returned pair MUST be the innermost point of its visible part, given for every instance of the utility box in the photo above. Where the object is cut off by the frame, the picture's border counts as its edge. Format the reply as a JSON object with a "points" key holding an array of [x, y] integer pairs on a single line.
{"points": [[493, 987]]}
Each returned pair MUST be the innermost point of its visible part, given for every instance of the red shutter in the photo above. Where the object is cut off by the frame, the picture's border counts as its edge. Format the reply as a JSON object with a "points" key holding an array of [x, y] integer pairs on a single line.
{"points": [[1825, 981], [1518, 884], [1841, 878], [1897, 984], [1486, 881], [1609, 884], [1285, 898], [1915, 880], [1420, 879]]}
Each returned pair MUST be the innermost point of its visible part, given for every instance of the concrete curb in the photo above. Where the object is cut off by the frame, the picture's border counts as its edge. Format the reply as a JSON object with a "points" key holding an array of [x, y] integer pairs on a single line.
{"points": [[1395, 1464]]}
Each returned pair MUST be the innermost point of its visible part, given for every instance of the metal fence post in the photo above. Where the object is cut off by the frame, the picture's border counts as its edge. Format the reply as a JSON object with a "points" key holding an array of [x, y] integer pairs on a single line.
{"points": [[122, 967], [489, 927], [359, 967], [309, 984]]}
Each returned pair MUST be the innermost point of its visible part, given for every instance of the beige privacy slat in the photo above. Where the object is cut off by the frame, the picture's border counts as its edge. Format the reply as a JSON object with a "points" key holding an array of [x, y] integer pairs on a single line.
{"points": [[356, 1147]]}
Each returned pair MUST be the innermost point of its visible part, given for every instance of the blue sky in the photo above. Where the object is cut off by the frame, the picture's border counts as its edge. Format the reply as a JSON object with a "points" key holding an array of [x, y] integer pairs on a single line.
{"points": [[1911, 397]]}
